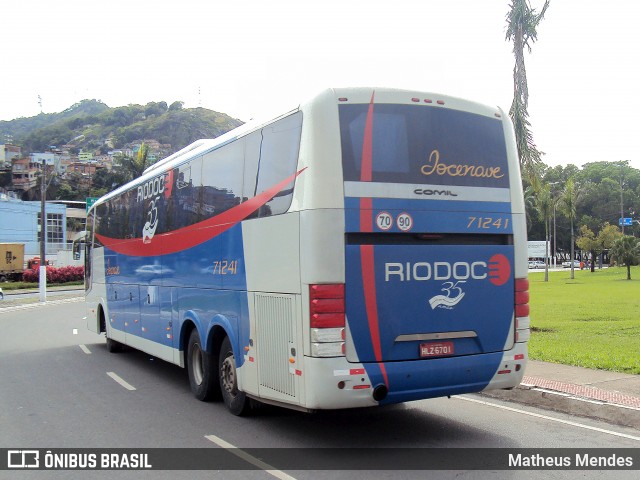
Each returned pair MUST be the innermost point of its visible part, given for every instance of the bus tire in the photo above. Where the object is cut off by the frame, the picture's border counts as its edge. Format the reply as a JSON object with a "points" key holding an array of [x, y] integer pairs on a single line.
{"points": [[202, 370], [235, 400]]}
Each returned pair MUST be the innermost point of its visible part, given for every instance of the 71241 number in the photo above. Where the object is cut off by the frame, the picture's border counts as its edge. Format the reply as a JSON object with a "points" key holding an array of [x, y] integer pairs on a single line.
{"points": [[488, 223]]}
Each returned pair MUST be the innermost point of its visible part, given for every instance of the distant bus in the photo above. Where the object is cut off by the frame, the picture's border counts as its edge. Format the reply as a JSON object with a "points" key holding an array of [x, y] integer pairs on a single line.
{"points": [[365, 248]]}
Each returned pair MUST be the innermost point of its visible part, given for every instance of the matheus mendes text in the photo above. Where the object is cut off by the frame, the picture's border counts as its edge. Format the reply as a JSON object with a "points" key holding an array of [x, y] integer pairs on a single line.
{"points": [[579, 460]]}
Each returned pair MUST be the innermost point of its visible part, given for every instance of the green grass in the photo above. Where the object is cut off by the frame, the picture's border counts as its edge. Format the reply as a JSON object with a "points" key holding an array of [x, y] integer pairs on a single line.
{"points": [[592, 321]]}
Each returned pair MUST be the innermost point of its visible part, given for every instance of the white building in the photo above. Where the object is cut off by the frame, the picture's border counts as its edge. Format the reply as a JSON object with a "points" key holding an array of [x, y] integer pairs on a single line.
{"points": [[50, 159], [20, 223]]}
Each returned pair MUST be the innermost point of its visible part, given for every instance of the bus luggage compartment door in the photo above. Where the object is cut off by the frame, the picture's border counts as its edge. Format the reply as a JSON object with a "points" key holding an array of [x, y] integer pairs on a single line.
{"points": [[412, 302]]}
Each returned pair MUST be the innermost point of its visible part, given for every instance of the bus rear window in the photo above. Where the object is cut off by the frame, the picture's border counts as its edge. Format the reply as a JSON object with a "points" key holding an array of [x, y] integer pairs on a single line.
{"points": [[424, 145]]}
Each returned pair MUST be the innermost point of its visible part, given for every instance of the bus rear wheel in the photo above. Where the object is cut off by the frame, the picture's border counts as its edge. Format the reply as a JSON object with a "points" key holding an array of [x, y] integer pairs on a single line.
{"points": [[202, 367], [235, 400]]}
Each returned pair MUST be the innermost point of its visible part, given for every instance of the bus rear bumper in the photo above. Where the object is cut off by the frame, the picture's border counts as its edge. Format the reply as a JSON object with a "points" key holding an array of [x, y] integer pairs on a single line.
{"points": [[454, 376], [349, 385]]}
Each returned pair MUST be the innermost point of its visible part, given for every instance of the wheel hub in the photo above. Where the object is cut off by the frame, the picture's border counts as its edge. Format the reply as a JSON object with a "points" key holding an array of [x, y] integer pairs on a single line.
{"points": [[228, 374], [196, 362]]}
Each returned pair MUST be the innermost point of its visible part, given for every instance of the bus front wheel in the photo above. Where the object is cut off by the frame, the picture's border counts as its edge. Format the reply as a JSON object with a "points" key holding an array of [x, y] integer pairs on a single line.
{"points": [[235, 400], [202, 367]]}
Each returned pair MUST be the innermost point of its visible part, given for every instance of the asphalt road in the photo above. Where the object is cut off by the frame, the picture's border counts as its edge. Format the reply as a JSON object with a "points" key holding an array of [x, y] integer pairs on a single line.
{"points": [[60, 388]]}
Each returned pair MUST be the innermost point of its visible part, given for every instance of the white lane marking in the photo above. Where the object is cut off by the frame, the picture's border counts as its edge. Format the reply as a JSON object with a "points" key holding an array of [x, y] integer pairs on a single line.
{"points": [[553, 419], [85, 349], [249, 458], [126, 385]]}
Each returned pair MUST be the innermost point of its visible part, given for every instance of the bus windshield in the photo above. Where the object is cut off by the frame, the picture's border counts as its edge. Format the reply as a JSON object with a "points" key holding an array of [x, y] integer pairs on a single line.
{"points": [[418, 145]]}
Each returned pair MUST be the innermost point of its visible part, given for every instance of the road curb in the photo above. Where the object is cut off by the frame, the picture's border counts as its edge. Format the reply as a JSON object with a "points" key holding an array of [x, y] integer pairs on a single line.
{"points": [[569, 404], [12, 305]]}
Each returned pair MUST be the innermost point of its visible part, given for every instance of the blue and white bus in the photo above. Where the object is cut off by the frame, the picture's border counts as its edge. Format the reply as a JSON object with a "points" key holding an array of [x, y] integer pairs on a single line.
{"points": [[367, 247]]}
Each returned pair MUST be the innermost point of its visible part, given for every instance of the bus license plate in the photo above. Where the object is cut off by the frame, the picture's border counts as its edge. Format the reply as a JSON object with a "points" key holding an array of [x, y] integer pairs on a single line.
{"points": [[436, 349]]}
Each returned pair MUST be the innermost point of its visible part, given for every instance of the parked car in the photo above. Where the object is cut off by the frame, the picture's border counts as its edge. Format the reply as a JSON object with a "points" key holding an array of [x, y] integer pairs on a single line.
{"points": [[536, 264], [576, 264]]}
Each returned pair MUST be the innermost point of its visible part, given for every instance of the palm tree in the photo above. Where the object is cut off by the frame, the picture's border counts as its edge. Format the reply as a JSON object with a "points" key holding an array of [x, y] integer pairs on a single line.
{"points": [[568, 201], [529, 205], [522, 23], [134, 166], [626, 250], [544, 207]]}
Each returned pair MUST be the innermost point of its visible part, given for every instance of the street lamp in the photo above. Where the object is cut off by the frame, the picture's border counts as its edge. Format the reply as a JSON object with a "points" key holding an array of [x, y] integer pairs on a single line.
{"points": [[621, 201], [555, 240]]}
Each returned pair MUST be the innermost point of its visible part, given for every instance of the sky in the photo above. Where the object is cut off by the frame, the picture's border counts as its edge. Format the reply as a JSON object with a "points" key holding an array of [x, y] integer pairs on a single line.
{"points": [[247, 58]]}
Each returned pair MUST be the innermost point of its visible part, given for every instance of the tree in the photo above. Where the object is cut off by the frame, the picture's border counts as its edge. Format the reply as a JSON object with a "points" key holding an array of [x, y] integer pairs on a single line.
{"points": [[598, 186], [595, 245], [544, 207], [522, 23], [177, 105], [105, 179], [608, 235], [66, 192], [529, 205], [155, 108], [626, 250], [135, 166], [5, 178], [568, 202], [604, 185]]}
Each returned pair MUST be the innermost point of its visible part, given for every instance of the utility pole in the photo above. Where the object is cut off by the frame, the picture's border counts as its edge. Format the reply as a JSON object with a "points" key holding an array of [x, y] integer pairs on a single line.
{"points": [[621, 201], [43, 234], [555, 238]]}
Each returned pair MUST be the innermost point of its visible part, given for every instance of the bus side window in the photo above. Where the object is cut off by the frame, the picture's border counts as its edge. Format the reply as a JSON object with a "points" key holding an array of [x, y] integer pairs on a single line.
{"points": [[222, 179], [252, 145], [278, 160], [191, 196]]}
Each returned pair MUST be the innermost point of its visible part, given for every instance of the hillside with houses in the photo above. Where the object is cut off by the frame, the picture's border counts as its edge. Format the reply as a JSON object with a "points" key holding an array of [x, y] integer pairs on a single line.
{"points": [[88, 149]]}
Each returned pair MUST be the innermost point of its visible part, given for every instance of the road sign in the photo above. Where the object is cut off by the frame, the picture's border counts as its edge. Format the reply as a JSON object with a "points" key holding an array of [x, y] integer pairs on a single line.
{"points": [[538, 249], [90, 202], [627, 222]]}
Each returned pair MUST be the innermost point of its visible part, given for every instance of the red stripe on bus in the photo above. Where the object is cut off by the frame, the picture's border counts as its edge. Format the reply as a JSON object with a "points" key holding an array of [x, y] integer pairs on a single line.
{"points": [[366, 251], [366, 215], [366, 169], [366, 166], [369, 287], [187, 237]]}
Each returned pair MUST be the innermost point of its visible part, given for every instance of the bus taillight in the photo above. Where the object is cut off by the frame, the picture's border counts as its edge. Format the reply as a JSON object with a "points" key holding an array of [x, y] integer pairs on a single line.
{"points": [[327, 320], [521, 306]]}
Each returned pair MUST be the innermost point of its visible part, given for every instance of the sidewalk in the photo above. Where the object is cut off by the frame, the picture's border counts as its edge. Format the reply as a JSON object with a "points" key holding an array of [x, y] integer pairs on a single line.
{"points": [[609, 396], [14, 298]]}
